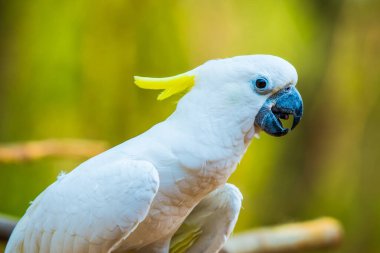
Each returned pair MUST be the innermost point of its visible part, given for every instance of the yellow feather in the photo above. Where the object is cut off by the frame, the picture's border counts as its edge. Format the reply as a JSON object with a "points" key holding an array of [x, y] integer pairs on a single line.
{"points": [[170, 85], [184, 238]]}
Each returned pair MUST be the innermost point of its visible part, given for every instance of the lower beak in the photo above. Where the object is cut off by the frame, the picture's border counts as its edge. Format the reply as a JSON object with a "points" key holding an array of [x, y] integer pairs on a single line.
{"points": [[278, 106]]}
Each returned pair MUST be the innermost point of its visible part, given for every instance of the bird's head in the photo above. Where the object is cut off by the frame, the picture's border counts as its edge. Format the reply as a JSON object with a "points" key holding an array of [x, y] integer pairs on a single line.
{"points": [[259, 89]]}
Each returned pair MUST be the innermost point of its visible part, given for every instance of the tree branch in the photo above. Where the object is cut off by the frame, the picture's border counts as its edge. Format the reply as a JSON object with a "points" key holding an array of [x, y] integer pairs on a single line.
{"points": [[293, 237], [34, 150]]}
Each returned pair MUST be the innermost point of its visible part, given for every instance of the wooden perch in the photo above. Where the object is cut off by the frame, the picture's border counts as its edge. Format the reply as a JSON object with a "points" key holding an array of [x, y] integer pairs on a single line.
{"points": [[34, 150], [294, 237]]}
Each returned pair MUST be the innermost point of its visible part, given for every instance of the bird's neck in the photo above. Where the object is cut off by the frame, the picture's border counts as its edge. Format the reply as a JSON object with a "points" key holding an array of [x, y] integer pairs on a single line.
{"points": [[216, 136]]}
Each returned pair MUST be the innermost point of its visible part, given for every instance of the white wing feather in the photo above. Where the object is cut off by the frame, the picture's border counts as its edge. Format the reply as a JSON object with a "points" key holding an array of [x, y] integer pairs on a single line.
{"points": [[90, 209]]}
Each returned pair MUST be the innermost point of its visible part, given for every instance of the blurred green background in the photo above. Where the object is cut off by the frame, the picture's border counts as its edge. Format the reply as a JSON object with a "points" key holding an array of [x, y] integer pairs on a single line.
{"points": [[66, 71]]}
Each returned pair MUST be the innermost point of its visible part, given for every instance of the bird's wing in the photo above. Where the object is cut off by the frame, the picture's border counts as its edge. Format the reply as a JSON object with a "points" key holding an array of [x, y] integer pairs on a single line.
{"points": [[90, 209], [210, 224]]}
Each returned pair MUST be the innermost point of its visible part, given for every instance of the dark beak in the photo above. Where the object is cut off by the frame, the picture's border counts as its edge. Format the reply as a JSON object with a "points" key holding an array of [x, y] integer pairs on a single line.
{"points": [[280, 105]]}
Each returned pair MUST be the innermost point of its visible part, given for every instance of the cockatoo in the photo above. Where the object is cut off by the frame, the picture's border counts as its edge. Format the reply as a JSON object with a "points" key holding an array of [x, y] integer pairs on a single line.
{"points": [[165, 190]]}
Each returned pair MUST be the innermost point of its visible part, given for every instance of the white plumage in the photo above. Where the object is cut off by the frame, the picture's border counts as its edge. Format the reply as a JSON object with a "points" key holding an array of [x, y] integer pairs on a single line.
{"points": [[135, 196]]}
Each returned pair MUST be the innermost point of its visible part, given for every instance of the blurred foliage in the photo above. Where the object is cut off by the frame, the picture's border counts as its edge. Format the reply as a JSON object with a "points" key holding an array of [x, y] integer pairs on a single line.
{"points": [[66, 71]]}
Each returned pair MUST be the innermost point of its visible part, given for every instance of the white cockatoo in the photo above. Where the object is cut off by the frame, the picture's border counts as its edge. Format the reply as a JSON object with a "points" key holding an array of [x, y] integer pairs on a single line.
{"points": [[165, 190]]}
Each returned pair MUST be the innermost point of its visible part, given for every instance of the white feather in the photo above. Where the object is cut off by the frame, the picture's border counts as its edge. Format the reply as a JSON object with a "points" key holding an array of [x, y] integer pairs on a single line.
{"points": [[91, 206]]}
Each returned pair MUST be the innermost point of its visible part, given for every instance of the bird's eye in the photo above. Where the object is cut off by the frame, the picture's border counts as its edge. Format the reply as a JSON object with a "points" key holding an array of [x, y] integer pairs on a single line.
{"points": [[261, 83]]}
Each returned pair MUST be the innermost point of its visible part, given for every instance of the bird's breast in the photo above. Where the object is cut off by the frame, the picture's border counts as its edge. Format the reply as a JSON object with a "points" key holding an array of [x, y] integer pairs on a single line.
{"points": [[177, 196]]}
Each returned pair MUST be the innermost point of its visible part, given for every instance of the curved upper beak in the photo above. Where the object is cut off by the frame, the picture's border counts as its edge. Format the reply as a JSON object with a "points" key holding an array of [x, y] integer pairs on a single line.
{"points": [[278, 106]]}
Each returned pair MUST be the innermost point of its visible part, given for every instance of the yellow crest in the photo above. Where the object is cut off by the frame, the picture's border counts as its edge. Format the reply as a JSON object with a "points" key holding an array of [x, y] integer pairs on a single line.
{"points": [[170, 85]]}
